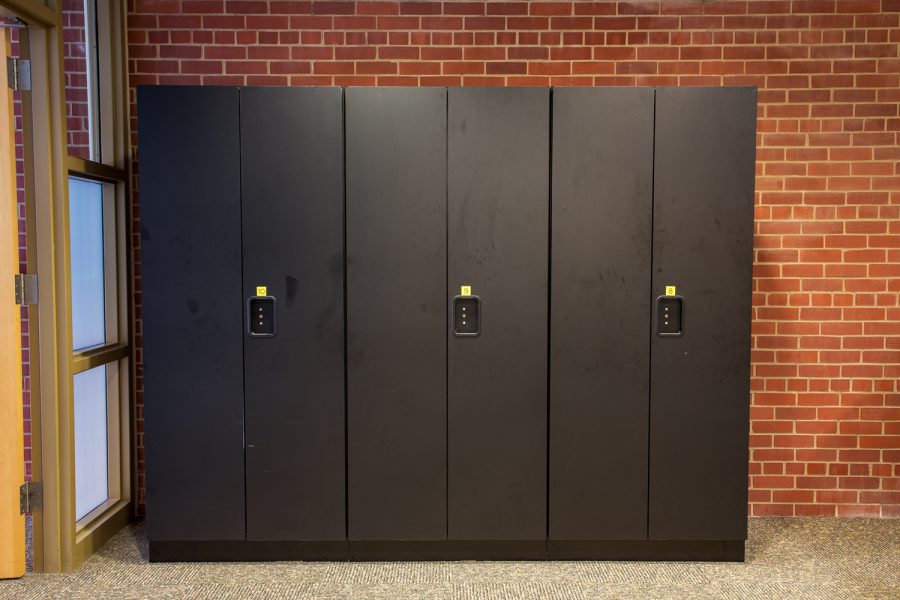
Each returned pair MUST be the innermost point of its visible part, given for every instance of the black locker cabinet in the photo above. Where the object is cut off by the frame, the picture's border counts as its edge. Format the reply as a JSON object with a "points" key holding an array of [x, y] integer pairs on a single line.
{"points": [[599, 307], [595, 407], [396, 299], [498, 217], [243, 188], [703, 246]]}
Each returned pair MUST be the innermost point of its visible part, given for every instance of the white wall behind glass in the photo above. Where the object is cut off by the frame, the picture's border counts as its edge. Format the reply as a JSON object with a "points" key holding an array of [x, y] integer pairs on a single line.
{"points": [[86, 240], [91, 452]]}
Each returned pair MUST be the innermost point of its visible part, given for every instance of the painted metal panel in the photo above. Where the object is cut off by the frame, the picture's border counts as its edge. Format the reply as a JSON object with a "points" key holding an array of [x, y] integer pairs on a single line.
{"points": [[191, 312], [600, 312], [702, 245], [293, 244], [396, 313], [498, 206]]}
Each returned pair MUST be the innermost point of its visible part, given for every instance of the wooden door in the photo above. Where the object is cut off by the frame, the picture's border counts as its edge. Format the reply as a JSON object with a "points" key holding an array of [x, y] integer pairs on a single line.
{"points": [[12, 464]]}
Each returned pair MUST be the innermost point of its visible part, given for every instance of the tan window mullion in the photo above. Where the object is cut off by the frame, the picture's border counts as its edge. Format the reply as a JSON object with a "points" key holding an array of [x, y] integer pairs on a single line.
{"points": [[97, 357], [89, 169], [33, 11]]}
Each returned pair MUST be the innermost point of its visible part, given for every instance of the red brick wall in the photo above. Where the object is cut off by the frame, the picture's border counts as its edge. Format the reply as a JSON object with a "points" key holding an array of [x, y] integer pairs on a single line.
{"points": [[826, 345]]}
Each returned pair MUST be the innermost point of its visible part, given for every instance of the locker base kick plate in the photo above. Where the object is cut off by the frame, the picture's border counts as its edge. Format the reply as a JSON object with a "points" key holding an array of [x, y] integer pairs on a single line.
{"points": [[342, 550], [245, 551]]}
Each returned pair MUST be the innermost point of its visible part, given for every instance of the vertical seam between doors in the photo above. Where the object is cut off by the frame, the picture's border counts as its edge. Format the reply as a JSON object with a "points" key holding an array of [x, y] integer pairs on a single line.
{"points": [[243, 310], [447, 312], [549, 313], [652, 310], [346, 330]]}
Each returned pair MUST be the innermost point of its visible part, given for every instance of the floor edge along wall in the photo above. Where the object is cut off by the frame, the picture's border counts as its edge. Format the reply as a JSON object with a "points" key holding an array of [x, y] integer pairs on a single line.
{"points": [[446, 323]]}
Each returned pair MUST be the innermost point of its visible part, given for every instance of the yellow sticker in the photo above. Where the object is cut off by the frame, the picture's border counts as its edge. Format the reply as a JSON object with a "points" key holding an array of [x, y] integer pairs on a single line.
{"points": [[262, 290], [670, 290], [465, 290]]}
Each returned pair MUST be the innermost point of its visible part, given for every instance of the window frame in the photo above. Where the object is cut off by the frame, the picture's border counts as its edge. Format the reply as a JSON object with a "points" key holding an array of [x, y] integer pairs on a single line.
{"points": [[113, 353], [92, 529]]}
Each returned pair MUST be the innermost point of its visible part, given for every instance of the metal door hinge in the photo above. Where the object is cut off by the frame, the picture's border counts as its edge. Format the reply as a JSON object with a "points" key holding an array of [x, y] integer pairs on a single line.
{"points": [[18, 73], [26, 289], [31, 497]]}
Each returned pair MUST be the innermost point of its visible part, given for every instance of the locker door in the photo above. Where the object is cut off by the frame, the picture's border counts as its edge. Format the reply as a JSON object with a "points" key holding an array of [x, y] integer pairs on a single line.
{"points": [[498, 207], [292, 183], [191, 310], [702, 245], [396, 313], [599, 319]]}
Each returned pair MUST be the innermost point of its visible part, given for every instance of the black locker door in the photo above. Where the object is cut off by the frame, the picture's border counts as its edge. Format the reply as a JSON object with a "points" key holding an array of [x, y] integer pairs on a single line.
{"points": [[396, 313], [702, 245], [191, 311], [498, 207], [292, 183], [599, 312]]}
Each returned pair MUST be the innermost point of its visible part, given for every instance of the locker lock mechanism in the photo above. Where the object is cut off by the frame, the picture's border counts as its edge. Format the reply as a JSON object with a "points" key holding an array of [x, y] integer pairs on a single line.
{"points": [[466, 316], [669, 316], [261, 316]]}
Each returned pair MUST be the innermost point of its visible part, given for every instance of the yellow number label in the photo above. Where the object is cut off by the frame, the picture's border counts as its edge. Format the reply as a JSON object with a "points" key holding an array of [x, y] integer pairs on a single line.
{"points": [[465, 290], [670, 290], [262, 290]]}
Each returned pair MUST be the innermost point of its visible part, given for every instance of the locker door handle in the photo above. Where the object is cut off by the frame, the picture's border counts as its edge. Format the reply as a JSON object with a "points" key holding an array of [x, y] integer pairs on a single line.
{"points": [[670, 316], [261, 316], [466, 316]]}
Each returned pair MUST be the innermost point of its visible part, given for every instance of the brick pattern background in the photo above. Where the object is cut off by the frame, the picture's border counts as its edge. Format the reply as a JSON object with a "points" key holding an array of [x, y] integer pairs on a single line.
{"points": [[825, 432]]}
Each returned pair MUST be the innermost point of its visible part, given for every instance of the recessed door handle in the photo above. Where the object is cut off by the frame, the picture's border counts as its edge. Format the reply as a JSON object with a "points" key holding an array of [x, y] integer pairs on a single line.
{"points": [[669, 316]]}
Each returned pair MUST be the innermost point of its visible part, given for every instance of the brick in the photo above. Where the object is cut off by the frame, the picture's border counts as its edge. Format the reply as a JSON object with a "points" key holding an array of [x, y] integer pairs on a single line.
{"points": [[774, 482], [289, 67], [837, 496], [355, 53], [334, 68], [491, 53], [701, 22], [548, 68], [550, 8], [506, 8], [858, 6], [527, 23], [463, 8], [858, 510], [484, 23], [614, 23], [814, 510], [506, 68], [376, 68], [772, 510], [156, 6], [398, 53]]}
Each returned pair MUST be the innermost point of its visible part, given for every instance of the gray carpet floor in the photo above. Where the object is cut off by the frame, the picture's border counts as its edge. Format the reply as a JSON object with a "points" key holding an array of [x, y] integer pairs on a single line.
{"points": [[786, 558]]}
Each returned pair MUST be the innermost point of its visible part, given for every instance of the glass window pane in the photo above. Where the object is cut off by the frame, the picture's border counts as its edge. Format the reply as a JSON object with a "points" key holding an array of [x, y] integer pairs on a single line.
{"points": [[86, 237], [91, 458], [80, 70]]}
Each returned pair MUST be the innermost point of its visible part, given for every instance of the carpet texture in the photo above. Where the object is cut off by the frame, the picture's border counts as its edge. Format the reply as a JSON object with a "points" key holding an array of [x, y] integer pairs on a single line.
{"points": [[786, 558]]}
